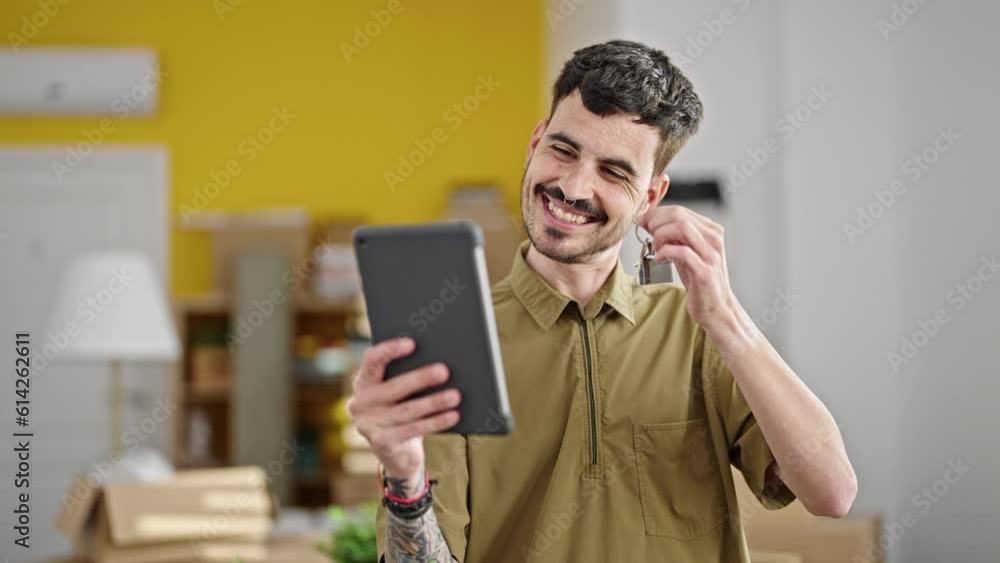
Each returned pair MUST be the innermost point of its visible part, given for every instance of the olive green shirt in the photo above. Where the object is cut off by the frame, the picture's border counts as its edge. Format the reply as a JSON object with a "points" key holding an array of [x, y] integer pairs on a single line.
{"points": [[626, 422]]}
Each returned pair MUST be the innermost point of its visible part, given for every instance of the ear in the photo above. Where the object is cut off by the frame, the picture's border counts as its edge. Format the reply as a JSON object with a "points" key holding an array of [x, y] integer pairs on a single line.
{"points": [[654, 194], [536, 137]]}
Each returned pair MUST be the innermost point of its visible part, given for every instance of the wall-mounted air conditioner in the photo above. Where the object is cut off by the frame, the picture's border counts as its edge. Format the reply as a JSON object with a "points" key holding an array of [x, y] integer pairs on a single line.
{"points": [[79, 81]]}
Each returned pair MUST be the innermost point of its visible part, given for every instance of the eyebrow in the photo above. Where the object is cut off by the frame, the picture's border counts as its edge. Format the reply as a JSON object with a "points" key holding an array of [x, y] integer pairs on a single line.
{"points": [[625, 165]]}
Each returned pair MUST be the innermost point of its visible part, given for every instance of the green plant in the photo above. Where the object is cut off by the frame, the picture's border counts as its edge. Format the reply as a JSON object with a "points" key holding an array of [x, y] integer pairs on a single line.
{"points": [[353, 538]]}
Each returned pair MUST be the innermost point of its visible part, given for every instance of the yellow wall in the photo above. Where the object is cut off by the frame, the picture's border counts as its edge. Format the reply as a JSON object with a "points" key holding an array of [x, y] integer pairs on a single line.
{"points": [[225, 75]]}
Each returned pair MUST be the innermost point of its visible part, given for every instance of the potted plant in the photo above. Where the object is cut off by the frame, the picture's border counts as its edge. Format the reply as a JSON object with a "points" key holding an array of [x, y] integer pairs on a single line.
{"points": [[353, 538]]}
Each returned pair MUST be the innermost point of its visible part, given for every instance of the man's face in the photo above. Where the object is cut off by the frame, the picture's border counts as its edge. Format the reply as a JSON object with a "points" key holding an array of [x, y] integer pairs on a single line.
{"points": [[587, 179]]}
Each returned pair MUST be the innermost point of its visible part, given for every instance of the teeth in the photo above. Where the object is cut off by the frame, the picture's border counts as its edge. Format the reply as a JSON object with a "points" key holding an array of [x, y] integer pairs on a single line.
{"points": [[568, 217]]}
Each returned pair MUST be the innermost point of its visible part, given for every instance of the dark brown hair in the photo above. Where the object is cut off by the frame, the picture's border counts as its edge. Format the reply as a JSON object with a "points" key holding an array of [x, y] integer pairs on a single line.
{"points": [[632, 78]]}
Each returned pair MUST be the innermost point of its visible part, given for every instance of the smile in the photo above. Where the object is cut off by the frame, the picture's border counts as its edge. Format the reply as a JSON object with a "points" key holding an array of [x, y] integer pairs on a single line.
{"points": [[561, 212]]}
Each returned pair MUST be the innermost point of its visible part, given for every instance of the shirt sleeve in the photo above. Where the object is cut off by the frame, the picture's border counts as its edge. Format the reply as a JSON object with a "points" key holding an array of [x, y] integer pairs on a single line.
{"points": [[748, 450], [447, 462]]}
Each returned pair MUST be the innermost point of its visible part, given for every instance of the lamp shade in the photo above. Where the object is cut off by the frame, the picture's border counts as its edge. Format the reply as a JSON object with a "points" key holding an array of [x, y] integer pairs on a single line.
{"points": [[112, 306]]}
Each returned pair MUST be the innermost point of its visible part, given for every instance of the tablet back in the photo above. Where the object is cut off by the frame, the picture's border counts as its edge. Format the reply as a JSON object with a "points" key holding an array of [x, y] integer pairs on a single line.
{"points": [[429, 282]]}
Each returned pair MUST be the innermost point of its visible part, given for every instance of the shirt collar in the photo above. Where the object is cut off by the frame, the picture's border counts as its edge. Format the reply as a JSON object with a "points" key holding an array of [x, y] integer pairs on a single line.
{"points": [[545, 304]]}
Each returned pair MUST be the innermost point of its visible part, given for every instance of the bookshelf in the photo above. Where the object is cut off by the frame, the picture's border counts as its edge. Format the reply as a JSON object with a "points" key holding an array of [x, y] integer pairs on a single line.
{"points": [[204, 427]]}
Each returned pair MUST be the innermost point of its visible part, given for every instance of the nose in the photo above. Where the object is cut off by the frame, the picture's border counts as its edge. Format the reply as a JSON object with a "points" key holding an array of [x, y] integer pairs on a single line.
{"points": [[576, 185]]}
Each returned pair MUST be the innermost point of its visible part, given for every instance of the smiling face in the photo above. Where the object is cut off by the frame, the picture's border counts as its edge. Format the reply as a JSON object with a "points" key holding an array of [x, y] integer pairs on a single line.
{"points": [[588, 178]]}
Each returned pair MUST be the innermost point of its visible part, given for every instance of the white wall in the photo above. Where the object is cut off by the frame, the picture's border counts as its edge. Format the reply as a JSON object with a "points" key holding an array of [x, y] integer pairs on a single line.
{"points": [[946, 61], [840, 331], [902, 426], [857, 299]]}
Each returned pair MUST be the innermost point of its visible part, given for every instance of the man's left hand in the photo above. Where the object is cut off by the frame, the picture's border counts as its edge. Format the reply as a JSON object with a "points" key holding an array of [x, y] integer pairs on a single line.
{"points": [[695, 243]]}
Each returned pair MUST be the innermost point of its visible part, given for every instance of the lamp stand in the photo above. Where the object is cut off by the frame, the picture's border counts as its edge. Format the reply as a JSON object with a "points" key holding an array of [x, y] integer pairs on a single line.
{"points": [[116, 403]]}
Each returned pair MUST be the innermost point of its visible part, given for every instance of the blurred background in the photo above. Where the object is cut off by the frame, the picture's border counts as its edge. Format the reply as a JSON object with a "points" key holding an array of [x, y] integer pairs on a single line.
{"points": [[179, 180]]}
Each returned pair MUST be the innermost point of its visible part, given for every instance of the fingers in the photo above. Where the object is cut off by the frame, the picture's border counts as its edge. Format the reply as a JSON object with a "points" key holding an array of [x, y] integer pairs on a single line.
{"points": [[673, 223], [430, 425], [388, 421], [659, 216], [689, 265], [378, 357], [687, 234], [416, 409], [402, 386]]}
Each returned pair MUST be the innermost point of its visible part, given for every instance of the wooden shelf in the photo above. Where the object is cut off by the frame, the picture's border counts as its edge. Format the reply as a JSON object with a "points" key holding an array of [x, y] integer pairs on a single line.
{"points": [[207, 464], [221, 304], [315, 306], [313, 393], [306, 374], [207, 304], [193, 395], [313, 481]]}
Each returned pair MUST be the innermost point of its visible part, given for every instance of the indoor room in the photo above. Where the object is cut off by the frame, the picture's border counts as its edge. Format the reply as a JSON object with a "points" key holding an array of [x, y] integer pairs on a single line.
{"points": [[540, 280]]}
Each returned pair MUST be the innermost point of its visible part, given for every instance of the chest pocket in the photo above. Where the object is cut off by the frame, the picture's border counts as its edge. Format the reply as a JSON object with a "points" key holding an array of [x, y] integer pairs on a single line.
{"points": [[680, 483]]}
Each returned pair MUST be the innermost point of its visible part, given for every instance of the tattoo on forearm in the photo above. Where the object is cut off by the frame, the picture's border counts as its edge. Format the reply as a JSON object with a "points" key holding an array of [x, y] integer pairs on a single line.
{"points": [[413, 541]]}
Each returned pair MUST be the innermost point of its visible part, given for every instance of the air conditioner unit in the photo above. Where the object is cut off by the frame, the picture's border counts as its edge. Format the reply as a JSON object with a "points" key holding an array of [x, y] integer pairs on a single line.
{"points": [[78, 81]]}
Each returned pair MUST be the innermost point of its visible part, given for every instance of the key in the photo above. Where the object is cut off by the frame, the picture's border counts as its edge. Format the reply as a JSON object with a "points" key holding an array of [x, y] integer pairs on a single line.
{"points": [[651, 271]]}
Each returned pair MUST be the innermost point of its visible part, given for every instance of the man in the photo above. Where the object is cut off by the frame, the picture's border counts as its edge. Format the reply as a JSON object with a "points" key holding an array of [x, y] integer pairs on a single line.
{"points": [[631, 401]]}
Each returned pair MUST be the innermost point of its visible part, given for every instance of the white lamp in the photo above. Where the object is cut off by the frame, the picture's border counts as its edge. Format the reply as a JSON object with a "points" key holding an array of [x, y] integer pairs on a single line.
{"points": [[112, 308]]}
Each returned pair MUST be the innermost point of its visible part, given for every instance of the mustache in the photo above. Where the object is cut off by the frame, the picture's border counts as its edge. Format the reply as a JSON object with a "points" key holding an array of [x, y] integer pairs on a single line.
{"points": [[583, 205]]}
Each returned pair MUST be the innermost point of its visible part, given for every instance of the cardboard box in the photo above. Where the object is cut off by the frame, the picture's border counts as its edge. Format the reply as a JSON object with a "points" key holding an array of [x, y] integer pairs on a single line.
{"points": [[300, 548], [795, 530], [233, 233], [352, 490], [336, 276], [210, 369], [204, 515], [502, 230]]}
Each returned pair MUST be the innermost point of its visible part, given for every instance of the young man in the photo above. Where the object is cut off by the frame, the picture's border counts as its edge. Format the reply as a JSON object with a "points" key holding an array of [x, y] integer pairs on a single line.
{"points": [[631, 401]]}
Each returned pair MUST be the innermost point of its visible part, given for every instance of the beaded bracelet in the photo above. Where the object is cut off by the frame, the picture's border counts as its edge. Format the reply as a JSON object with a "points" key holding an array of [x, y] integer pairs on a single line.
{"points": [[407, 509]]}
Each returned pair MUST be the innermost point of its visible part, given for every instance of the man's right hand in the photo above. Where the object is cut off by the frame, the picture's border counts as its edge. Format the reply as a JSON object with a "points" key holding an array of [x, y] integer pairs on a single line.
{"points": [[393, 426]]}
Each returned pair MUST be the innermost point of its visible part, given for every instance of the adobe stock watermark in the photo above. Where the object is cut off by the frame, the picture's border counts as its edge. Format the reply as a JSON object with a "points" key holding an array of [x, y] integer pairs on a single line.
{"points": [[225, 7], [799, 460], [559, 523], [923, 501], [87, 310], [753, 331], [3, 236], [46, 12], [783, 301], [913, 168], [292, 279], [122, 106], [786, 127], [131, 440], [563, 11], [696, 44], [958, 297], [455, 116], [365, 34], [899, 14], [233, 509], [248, 150], [424, 316], [472, 442]]}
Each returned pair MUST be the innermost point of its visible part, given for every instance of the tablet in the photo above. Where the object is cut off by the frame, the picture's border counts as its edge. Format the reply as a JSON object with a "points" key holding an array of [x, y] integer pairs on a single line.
{"points": [[428, 281]]}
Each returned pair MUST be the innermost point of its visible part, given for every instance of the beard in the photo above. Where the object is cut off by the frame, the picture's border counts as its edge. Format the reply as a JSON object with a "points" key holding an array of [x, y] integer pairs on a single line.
{"points": [[567, 245]]}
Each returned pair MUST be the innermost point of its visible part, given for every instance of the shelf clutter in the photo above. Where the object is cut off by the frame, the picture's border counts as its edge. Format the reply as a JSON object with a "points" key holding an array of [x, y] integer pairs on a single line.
{"points": [[221, 514], [314, 315], [327, 336]]}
